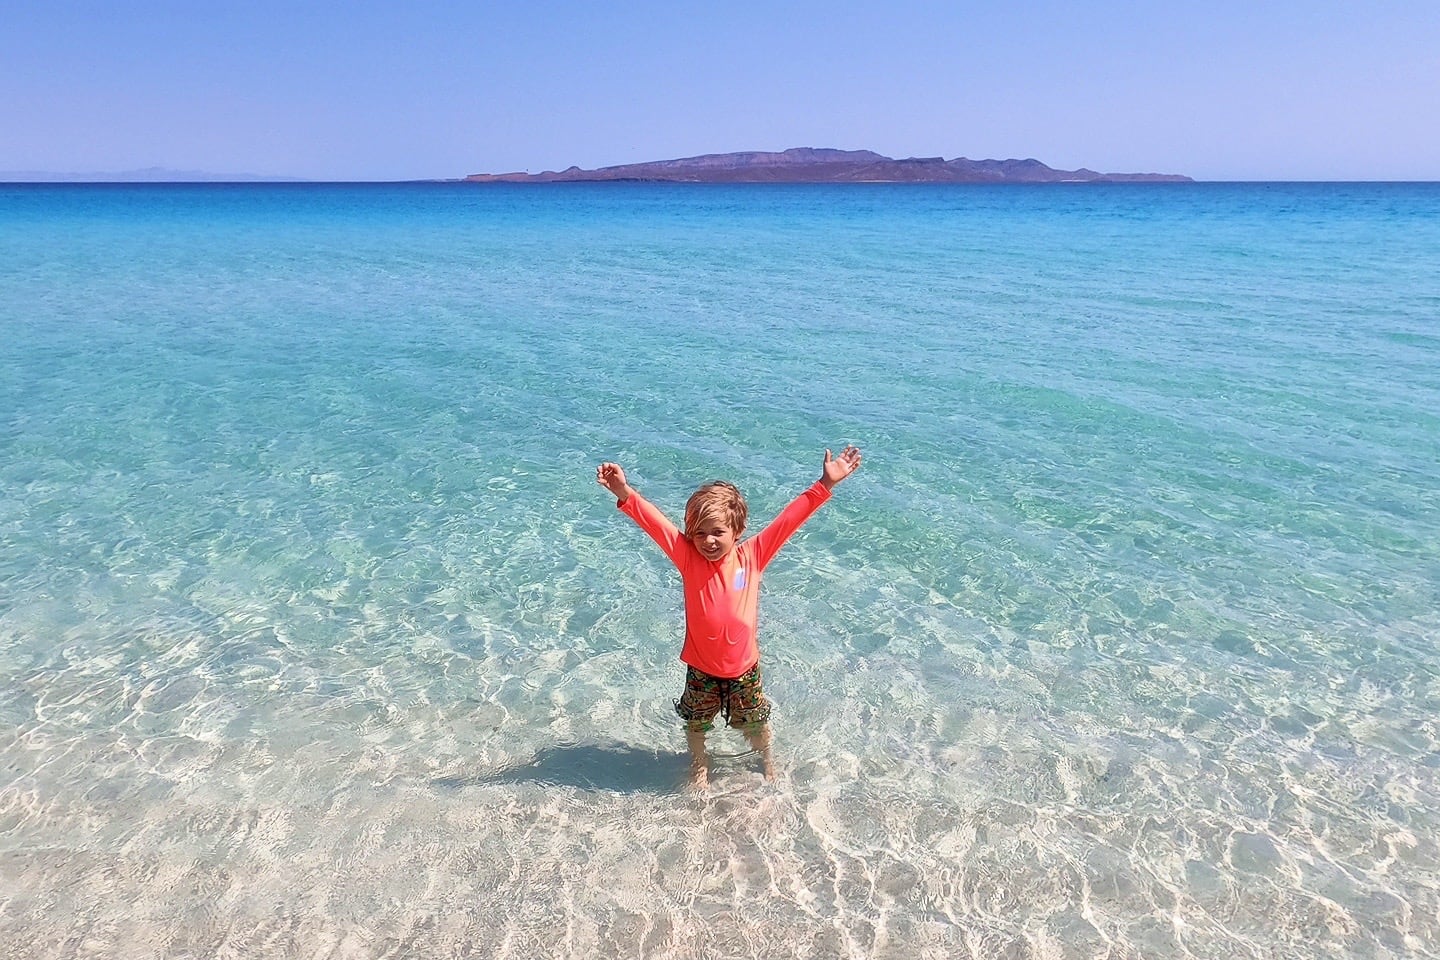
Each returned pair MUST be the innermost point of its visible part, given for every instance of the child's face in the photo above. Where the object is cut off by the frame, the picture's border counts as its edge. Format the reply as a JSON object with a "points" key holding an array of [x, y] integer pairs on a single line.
{"points": [[714, 538]]}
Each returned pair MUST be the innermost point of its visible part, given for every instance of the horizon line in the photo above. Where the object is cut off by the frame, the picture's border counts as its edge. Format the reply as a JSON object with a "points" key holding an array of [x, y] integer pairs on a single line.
{"points": [[7, 179]]}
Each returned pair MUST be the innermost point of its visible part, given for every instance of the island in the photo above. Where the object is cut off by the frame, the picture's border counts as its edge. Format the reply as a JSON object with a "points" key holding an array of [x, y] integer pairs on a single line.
{"points": [[826, 165]]}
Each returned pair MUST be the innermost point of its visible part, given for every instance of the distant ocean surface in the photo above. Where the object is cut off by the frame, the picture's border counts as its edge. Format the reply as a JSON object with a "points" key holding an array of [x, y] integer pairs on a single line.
{"points": [[318, 638]]}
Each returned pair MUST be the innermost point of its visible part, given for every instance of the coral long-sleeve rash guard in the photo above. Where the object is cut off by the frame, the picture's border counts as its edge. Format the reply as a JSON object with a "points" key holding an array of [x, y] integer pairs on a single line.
{"points": [[722, 597]]}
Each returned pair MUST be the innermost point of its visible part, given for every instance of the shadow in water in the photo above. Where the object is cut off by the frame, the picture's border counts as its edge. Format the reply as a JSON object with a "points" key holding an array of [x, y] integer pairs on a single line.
{"points": [[591, 766]]}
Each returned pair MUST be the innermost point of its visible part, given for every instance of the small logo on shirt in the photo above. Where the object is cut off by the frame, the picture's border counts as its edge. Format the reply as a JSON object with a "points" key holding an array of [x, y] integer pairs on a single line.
{"points": [[739, 581]]}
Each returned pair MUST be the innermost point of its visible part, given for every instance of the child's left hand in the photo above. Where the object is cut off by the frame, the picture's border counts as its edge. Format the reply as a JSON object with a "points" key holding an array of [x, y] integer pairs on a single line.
{"points": [[838, 468]]}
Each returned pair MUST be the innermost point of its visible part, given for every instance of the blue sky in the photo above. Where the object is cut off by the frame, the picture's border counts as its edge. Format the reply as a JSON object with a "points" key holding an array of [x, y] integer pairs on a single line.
{"points": [[1318, 90]]}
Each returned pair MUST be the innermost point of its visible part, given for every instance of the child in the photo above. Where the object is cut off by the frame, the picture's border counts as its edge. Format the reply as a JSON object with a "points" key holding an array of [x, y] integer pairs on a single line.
{"points": [[721, 579]]}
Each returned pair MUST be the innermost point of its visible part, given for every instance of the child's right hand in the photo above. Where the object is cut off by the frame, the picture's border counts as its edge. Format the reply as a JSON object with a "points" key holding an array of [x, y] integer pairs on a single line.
{"points": [[612, 477]]}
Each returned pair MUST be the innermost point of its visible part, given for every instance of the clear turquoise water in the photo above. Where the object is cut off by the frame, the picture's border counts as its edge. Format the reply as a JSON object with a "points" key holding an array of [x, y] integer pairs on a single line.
{"points": [[317, 637]]}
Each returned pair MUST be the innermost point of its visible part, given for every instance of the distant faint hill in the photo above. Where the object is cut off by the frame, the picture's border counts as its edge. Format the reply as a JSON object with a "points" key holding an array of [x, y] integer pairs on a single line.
{"points": [[819, 165], [147, 175]]}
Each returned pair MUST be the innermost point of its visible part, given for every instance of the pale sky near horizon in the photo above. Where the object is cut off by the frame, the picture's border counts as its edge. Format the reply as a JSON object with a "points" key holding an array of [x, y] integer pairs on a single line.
{"points": [[1317, 90]]}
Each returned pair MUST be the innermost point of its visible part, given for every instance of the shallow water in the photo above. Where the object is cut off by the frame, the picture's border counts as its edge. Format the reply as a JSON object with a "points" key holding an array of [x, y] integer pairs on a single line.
{"points": [[317, 637]]}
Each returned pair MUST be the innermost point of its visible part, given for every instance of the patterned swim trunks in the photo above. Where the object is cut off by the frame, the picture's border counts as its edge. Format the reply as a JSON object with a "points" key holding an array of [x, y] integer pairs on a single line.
{"points": [[742, 699]]}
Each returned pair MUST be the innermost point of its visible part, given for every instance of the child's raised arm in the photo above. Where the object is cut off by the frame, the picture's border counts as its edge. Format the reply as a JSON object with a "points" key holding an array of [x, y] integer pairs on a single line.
{"points": [[838, 468], [768, 541], [611, 476]]}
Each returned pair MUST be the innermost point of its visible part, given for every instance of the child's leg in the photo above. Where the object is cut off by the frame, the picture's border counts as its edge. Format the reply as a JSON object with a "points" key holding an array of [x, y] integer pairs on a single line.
{"points": [[749, 710], [698, 706], [758, 736], [699, 759]]}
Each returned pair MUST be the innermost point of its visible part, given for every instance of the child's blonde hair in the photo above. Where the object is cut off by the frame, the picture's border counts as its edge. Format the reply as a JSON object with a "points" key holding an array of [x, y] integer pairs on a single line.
{"points": [[716, 500]]}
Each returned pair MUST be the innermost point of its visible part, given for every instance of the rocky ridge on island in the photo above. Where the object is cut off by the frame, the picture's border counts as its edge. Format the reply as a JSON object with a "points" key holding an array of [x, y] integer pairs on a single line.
{"points": [[821, 165]]}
